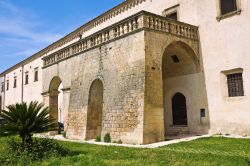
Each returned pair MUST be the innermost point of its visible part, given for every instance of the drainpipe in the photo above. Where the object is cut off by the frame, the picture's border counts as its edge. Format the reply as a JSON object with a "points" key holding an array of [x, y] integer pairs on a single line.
{"points": [[22, 85]]}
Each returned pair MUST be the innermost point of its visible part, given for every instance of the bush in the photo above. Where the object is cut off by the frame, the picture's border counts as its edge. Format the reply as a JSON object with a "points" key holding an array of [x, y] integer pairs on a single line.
{"points": [[24, 154], [107, 138], [119, 142], [64, 134], [98, 139]]}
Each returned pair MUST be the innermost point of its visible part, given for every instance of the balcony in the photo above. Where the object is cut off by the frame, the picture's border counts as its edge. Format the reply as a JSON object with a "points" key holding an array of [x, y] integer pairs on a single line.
{"points": [[135, 23]]}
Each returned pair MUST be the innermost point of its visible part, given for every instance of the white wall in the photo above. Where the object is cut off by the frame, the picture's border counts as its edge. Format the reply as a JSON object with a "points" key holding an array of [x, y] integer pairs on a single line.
{"points": [[26, 93], [32, 91]]}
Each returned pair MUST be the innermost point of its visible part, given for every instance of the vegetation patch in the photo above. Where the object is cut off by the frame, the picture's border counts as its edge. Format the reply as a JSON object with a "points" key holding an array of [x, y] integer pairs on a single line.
{"points": [[201, 152], [107, 138], [17, 153]]}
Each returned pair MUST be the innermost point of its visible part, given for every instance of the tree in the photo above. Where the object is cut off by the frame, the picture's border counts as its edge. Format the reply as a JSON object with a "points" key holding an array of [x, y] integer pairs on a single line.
{"points": [[26, 120]]}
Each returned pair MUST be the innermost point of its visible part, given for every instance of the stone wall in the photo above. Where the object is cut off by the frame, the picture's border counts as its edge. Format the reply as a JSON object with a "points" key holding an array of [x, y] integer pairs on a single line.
{"points": [[121, 69], [156, 44]]}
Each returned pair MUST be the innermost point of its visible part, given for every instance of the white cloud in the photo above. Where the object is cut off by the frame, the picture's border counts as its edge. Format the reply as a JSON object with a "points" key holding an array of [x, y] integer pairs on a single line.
{"points": [[20, 30]]}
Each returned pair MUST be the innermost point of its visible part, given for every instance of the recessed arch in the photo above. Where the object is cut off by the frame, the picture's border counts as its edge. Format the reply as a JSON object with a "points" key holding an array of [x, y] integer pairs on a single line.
{"points": [[179, 59], [180, 70], [56, 100], [95, 110]]}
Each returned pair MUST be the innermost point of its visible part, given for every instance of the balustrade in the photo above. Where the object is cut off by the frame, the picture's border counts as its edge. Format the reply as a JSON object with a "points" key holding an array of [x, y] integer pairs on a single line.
{"points": [[141, 20]]}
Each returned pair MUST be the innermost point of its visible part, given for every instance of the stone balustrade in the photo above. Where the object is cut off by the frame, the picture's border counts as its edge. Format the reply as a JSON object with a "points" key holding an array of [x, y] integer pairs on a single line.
{"points": [[132, 24]]}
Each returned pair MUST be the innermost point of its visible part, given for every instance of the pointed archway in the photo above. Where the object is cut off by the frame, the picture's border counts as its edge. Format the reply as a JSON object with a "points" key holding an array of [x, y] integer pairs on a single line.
{"points": [[95, 109]]}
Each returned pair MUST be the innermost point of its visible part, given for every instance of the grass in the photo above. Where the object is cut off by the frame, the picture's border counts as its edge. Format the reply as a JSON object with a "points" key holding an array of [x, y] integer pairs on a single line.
{"points": [[201, 152]]}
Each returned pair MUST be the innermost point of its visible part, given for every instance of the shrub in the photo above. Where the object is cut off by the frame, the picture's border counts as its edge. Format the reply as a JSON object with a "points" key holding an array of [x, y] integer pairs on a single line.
{"points": [[64, 134], [39, 149], [119, 142], [25, 119], [98, 139], [107, 138]]}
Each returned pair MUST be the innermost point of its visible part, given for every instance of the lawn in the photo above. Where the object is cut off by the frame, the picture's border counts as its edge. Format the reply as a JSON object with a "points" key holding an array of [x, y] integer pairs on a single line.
{"points": [[204, 151]]}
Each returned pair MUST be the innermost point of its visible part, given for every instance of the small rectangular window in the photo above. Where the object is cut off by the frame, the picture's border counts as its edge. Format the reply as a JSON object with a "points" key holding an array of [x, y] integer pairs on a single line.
{"points": [[36, 74], [172, 16], [228, 6], [7, 85], [172, 12], [26, 78], [235, 85], [175, 58], [3, 87], [15, 80]]}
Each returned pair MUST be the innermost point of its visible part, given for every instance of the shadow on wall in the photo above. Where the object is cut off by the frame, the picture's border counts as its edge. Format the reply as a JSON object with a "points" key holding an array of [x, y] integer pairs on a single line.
{"points": [[184, 91]]}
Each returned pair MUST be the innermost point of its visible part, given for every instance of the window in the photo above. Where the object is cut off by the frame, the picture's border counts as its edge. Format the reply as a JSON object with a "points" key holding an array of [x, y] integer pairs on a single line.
{"points": [[14, 82], [2, 86], [175, 58], [172, 12], [26, 78], [172, 16], [228, 6], [36, 74], [7, 86], [235, 85]]}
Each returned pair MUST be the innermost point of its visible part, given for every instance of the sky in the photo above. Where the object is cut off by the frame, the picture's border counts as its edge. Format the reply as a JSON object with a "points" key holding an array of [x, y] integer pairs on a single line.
{"points": [[27, 26]]}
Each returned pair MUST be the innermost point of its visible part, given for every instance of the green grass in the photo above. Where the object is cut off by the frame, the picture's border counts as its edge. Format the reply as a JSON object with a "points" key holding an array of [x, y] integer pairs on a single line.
{"points": [[205, 151]]}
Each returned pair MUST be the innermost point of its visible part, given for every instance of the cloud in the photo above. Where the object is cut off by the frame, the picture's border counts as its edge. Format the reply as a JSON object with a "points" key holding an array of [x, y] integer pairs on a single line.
{"points": [[21, 33]]}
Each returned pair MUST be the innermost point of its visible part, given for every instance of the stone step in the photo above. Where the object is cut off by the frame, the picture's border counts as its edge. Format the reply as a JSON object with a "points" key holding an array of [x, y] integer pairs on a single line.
{"points": [[177, 130]]}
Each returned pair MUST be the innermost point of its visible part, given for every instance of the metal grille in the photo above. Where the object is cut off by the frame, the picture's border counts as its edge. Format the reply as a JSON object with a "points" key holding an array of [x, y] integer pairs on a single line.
{"points": [[235, 85]]}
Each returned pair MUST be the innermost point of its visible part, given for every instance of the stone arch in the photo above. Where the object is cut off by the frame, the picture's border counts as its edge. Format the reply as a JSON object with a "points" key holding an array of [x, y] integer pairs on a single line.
{"points": [[180, 70], [188, 61], [56, 99], [95, 110]]}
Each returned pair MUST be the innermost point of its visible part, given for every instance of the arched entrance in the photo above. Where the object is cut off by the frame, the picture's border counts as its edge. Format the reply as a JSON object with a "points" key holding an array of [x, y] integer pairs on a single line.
{"points": [[180, 73], [95, 108], [56, 101], [179, 109]]}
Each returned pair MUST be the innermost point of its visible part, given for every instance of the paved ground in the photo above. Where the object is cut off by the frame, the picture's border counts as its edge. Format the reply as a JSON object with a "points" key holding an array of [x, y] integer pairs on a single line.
{"points": [[173, 140]]}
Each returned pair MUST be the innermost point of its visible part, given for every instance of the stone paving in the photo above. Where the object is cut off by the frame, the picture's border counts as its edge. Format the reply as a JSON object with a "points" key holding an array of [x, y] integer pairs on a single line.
{"points": [[184, 138]]}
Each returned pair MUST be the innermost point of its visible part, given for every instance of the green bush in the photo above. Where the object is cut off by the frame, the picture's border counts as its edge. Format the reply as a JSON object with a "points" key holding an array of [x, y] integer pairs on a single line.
{"points": [[23, 154], [98, 139], [119, 142], [107, 138], [64, 134]]}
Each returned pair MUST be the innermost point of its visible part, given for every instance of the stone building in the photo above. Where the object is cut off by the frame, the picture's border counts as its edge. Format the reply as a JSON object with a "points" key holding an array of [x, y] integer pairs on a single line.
{"points": [[144, 70]]}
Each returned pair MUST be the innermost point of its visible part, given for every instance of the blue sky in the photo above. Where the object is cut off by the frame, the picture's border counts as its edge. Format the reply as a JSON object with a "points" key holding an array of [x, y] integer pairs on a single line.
{"points": [[27, 26]]}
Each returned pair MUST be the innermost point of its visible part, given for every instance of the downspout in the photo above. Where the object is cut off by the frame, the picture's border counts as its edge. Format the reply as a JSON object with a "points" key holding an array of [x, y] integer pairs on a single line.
{"points": [[22, 86]]}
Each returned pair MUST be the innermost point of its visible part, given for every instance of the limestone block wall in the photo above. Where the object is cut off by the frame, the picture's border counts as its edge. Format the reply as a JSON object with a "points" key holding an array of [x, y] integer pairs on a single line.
{"points": [[120, 65], [156, 44], [63, 71]]}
